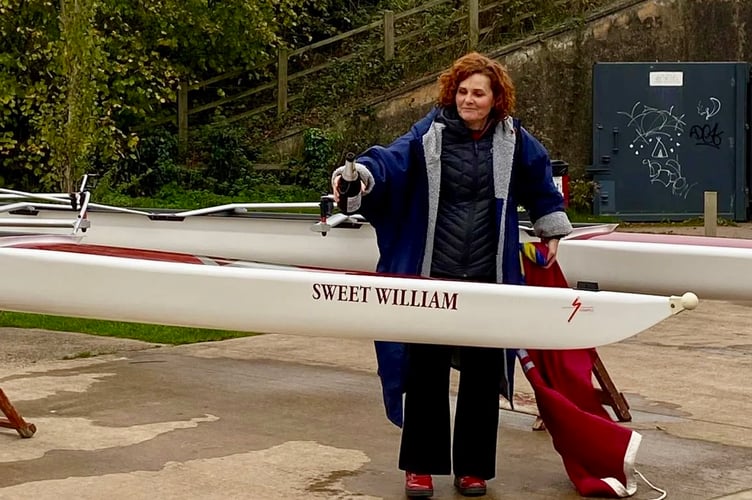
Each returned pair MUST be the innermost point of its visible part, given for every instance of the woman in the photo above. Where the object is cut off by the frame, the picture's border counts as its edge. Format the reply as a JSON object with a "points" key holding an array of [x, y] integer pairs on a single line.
{"points": [[443, 200]]}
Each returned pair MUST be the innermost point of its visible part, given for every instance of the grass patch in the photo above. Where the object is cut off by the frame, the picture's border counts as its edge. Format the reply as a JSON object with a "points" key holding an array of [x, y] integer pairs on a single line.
{"points": [[692, 222], [175, 198], [148, 333], [575, 216]]}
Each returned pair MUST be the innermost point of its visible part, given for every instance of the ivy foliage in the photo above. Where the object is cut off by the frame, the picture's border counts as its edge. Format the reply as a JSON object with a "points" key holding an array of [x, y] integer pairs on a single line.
{"points": [[321, 152], [83, 82]]}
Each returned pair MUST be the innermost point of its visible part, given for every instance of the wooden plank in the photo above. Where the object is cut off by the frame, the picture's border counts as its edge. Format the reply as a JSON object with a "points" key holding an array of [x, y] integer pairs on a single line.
{"points": [[609, 394], [15, 420], [522, 17], [218, 78], [337, 38], [253, 112], [281, 80], [388, 35], [415, 10], [486, 8], [321, 66], [497, 3], [711, 213], [257, 111], [183, 117], [457, 18], [408, 36], [234, 97], [448, 43], [473, 26], [415, 33]]}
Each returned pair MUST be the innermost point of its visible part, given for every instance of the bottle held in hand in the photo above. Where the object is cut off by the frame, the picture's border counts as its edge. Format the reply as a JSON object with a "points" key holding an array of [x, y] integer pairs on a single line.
{"points": [[349, 187]]}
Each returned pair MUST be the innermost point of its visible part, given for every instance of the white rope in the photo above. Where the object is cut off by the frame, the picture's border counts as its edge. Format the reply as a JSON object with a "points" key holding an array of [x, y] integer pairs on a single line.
{"points": [[663, 493]]}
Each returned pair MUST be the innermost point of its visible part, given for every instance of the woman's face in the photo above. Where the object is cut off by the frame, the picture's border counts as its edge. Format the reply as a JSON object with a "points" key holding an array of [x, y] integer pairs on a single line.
{"points": [[474, 100]]}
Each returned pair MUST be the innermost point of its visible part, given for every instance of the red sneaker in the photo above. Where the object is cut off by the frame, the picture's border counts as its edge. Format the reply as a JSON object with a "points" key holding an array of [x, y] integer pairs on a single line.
{"points": [[418, 485], [470, 486]]}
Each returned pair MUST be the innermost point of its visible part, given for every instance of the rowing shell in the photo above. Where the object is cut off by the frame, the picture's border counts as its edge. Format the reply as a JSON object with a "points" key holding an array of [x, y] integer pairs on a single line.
{"points": [[289, 239], [144, 287], [714, 268], [280, 238]]}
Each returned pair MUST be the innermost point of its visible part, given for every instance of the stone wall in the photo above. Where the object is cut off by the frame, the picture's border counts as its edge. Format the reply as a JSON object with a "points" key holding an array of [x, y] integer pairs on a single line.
{"points": [[553, 72]]}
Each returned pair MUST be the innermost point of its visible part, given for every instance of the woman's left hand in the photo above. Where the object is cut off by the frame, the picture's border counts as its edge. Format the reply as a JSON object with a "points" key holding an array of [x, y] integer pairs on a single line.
{"points": [[553, 248]]}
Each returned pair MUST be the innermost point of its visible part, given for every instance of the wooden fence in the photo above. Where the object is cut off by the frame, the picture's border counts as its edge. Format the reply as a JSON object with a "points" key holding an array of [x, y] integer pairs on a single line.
{"points": [[472, 15]]}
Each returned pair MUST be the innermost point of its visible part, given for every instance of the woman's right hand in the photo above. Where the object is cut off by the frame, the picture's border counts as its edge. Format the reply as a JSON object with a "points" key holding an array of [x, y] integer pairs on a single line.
{"points": [[335, 187]]}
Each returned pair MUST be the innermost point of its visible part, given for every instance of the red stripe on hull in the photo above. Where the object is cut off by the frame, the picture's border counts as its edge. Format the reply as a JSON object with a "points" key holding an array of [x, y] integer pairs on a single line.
{"points": [[176, 257], [128, 253], [673, 239]]}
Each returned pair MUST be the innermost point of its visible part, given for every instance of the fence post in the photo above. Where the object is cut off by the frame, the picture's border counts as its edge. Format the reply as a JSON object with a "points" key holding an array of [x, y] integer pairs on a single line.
{"points": [[182, 116], [388, 35], [711, 213], [281, 80], [474, 27]]}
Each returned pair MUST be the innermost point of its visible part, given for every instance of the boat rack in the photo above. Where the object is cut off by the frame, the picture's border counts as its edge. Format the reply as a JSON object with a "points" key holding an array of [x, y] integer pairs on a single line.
{"points": [[14, 420]]}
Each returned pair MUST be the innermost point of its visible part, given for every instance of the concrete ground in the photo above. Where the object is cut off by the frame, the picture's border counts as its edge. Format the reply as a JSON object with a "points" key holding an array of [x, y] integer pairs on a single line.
{"points": [[281, 417]]}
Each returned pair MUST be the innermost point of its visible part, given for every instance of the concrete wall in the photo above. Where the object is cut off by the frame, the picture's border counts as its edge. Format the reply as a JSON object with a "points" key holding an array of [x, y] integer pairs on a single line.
{"points": [[553, 73]]}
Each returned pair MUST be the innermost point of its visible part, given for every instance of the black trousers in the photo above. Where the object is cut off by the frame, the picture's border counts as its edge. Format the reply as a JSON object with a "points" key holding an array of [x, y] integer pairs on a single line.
{"points": [[427, 446]]}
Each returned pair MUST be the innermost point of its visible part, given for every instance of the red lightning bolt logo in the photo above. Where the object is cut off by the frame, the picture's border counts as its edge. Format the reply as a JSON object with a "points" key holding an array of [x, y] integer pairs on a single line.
{"points": [[576, 304]]}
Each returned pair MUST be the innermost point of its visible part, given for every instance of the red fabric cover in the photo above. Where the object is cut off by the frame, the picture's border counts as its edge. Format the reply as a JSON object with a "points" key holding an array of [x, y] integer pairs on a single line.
{"points": [[598, 454]]}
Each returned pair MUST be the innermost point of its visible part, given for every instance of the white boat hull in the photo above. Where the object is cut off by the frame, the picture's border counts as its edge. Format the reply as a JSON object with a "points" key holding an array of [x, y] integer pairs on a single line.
{"points": [[714, 268], [274, 238], [712, 273], [319, 303]]}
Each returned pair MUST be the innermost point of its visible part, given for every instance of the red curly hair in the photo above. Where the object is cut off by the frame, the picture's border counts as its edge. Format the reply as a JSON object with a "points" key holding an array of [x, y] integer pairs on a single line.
{"points": [[470, 64]]}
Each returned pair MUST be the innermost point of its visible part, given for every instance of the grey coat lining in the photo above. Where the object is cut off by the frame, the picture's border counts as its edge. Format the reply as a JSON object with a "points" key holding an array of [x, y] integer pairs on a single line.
{"points": [[503, 157]]}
